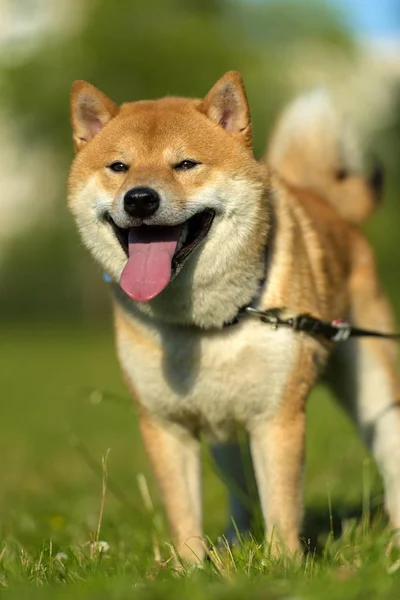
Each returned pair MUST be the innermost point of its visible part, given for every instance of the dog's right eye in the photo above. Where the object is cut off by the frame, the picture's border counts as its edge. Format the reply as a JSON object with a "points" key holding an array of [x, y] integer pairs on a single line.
{"points": [[118, 167]]}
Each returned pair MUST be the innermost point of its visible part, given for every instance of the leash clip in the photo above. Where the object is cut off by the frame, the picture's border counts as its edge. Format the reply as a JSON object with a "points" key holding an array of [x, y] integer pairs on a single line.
{"points": [[343, 330], [269, 317], [272, 319]]}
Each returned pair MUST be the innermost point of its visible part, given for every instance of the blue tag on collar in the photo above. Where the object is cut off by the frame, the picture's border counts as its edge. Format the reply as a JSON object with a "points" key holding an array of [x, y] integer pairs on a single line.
{"points": [[107, 278]]}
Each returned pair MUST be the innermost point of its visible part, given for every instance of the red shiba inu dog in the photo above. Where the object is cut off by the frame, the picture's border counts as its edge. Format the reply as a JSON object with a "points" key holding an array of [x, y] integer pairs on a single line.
{"points": [[170, 200]]}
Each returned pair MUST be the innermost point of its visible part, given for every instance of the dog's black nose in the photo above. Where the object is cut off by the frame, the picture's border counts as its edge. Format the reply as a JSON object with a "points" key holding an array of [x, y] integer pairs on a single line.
{"points": [[141, 202]]}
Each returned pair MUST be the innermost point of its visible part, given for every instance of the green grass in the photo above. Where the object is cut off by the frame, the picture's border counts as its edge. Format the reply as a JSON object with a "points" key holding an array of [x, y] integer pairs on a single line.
{"points": [[63, 405]]}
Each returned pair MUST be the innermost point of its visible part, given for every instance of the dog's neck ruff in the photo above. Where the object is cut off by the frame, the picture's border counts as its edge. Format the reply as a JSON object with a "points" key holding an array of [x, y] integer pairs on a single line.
{"points": [[253, 303]]}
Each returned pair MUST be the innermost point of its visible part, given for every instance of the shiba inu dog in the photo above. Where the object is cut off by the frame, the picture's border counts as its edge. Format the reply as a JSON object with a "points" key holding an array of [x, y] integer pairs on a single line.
{"points": [[170, 200]]}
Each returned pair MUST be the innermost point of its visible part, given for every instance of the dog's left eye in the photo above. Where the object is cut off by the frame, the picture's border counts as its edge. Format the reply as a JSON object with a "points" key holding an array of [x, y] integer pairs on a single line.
{"points": [[118, 167], [185, 165]]}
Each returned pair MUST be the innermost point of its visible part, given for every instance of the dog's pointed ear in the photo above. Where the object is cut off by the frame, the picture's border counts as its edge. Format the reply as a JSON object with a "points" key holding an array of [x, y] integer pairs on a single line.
{"points": [[226, 104], [90, 111]]}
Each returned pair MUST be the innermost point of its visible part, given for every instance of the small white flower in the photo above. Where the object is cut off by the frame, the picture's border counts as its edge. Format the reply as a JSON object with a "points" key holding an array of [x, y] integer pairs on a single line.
{"points": [[61, 556], [101, 546]]}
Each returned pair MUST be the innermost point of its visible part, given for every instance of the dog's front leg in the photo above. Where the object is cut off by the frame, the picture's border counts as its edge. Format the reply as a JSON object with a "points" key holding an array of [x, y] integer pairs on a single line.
{"points": [[277, 448], [174, 453]]}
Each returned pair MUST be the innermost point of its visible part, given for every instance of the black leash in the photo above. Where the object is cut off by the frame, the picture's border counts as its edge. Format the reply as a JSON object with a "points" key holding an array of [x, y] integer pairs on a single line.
{"points": [[336, 331]]}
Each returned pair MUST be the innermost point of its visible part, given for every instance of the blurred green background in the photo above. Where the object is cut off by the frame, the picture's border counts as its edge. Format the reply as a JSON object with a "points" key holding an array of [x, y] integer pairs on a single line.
{"points": [[62, 401]]}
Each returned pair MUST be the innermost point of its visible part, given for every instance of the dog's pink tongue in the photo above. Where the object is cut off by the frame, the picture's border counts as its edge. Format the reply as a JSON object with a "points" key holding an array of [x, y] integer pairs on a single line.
{"points": [[149, 265]]}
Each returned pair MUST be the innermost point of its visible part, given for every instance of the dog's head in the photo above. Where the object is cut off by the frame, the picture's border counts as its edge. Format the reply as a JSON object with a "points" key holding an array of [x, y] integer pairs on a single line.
{"points": [[161, 186]]}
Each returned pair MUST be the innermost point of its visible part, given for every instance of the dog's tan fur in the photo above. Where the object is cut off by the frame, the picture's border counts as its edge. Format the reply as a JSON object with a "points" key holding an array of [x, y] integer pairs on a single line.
{"points": [[188, 373]]}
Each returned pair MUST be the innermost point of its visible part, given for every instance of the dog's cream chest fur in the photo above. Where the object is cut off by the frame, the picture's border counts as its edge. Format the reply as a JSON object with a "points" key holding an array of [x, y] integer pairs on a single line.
{"points": [[213, 381]]}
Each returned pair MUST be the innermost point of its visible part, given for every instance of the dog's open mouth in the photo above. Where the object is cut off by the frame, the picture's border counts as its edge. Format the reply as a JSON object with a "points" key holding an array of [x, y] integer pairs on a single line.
{"points": [[156, 253]]}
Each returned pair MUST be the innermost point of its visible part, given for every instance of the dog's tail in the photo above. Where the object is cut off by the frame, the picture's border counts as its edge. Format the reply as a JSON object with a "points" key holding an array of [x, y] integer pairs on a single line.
{"points": [[314, 148]]}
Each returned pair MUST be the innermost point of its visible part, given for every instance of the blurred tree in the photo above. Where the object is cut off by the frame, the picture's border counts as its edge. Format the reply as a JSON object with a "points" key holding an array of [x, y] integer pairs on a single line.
{"points": [[151, 48], [136, 50]]}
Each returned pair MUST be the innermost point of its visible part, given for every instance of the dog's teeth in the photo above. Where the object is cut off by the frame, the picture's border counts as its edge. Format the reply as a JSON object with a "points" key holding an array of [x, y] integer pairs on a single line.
{"points": [[182, 237]]}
